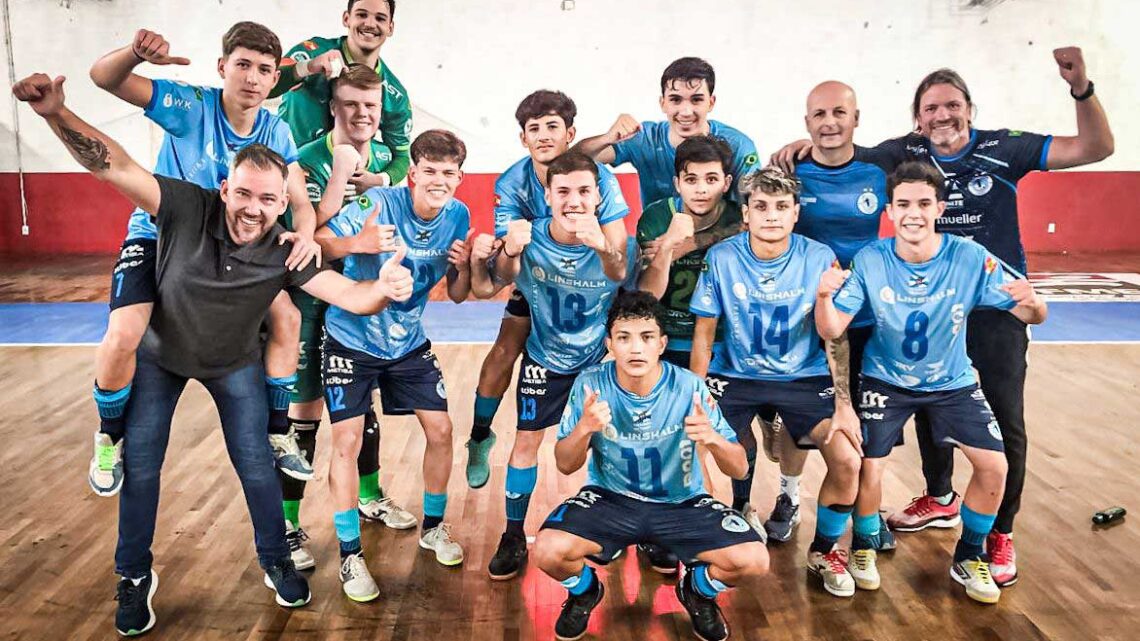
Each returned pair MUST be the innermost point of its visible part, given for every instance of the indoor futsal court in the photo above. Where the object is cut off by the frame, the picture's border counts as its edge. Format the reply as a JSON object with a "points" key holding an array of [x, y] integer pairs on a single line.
{"points": [[69, 565]]}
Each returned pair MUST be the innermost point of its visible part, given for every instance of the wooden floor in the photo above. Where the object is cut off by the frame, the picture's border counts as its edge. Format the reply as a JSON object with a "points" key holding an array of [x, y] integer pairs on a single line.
{"points": [[57, 539]]}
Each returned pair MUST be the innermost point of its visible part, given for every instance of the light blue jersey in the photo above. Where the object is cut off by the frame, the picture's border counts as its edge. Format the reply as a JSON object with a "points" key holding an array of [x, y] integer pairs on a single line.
{"points": [[520, 196], [200, 144], [397, 329], [569, 295], [920, 310], [645, 454], [768, 309], [652, 155]]}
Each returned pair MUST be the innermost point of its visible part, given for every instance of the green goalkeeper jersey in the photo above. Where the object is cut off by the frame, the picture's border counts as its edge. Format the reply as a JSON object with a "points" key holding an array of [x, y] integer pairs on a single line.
{"points": [[685, 270], [305, 106]]}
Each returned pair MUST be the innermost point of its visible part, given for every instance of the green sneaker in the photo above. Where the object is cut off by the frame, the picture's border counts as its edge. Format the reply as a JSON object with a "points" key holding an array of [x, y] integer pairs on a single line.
{"points": [[105, 473], [478, 465]]}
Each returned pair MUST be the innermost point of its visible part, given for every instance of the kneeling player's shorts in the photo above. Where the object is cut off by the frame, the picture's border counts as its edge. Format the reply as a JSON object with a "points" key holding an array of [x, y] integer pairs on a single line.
{"points": [[616, 521], [957, 417], [312, 310], [517, 306], [134, 280], [541, 395], [801, 404], [409, 383]]}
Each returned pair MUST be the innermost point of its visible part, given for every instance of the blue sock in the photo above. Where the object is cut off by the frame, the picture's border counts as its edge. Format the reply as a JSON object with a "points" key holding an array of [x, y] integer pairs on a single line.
{"points": [[975, 527], [830, 521], [434, 507], [112, 406], [704, 584], [280, 391], [580, 584], [520, 484], [347, 524], [485, 408], [742, 489], [866, 532]]}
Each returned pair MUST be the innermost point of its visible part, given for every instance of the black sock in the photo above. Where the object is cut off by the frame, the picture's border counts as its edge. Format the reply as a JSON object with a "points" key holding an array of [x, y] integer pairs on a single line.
{"points": [[480, 433], [516, 527]]}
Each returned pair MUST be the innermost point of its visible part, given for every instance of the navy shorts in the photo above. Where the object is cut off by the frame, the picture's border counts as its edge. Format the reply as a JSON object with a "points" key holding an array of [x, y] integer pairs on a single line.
{"points": [[134, 280], [517, 306], [541, 395], [616, 521], [801, 404], [409, 383], [957, 417]]}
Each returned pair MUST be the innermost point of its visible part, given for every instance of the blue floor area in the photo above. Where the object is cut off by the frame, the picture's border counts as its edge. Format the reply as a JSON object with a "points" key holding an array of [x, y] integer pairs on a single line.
{"points": [[478, 322]]}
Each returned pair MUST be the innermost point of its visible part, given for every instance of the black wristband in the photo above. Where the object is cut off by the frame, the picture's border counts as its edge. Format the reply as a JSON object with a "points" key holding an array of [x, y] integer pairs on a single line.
{"points": [[1085, 96], [508, 254]]}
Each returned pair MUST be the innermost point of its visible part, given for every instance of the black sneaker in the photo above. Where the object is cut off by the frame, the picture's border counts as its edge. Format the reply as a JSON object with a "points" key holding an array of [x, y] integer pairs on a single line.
{"points": [[575, 617], [783, 520], [509, 558], [887, 540], [135, 614], [292, 590], [708, 622], [660, 559]]}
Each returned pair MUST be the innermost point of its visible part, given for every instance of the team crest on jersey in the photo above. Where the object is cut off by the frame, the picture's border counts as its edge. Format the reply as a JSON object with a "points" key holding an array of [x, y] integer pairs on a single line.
{"points": [[397, 332], [887, 295], [868, 202], [980, 185], [538, 273], [734, 523], [364, 201], [740, 290], [299, 56], [751, 159]]}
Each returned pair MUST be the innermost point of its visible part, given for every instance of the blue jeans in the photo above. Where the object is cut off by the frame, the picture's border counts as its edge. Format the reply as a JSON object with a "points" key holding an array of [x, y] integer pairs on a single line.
{"points": [[243, 408]]}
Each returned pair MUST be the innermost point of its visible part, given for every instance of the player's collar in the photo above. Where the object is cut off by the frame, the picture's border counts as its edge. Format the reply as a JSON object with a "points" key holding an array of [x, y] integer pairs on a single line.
{"points": [[348, 56], [370, 163], [958, 156]]}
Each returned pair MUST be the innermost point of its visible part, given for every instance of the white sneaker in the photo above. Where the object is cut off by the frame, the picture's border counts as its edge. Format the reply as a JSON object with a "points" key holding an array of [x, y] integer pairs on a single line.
{"points": [[439, 540], [356, 580], [105, 473], [863, 569], [296, 538], [831, 568], [386, 511], [288, 456], [974, 574]]}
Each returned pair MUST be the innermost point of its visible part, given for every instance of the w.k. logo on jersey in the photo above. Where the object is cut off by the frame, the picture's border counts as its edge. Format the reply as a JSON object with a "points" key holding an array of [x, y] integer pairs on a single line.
{"points": [[980, 185], [916, 283], [567, 265], [642, 417], [423, 235]]}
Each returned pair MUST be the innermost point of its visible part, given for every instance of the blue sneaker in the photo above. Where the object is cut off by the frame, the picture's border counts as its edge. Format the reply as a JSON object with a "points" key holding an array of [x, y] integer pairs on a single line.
{"points": [[478, 463], [135, 615], [291, 589], [887, 540]]}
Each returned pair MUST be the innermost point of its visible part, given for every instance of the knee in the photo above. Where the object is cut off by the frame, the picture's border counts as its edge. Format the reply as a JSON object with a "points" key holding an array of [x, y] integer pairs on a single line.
{"points": [[992, 475], [746, 559], [285, 323], [438, 433], [551, 549], [346, 442], [846, 468]]}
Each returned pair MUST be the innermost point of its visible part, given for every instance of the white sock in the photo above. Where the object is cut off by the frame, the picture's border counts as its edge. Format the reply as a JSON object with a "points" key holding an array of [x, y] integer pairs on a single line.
{"points": [[790, 487], [945, 500]]}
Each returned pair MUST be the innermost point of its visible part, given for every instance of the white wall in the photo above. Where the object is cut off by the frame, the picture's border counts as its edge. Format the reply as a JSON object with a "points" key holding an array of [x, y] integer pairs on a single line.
{"points": [[467, 64]]}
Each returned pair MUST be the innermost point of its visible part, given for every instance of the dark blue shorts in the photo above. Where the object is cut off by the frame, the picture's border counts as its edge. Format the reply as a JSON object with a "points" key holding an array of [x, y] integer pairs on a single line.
{"points": [[134, 280], [517, 306], [541, 395], [801, 404], [409, 383], [957, 417], [615, 522]]}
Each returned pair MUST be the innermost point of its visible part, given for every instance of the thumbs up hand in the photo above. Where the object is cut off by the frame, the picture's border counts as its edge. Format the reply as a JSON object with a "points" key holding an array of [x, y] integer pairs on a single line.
{"points": [[697, 425], [374, 238], [596, 414], [395, 281]]}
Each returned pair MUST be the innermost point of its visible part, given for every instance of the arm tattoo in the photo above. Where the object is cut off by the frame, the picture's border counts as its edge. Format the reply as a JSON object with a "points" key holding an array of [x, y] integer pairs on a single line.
{"points": [[92, 153], [839, 353]]}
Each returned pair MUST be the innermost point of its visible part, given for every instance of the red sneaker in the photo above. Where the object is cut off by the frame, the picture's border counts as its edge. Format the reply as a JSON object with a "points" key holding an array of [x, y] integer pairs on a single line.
{"points": [[1003, 558], [923, 512]]}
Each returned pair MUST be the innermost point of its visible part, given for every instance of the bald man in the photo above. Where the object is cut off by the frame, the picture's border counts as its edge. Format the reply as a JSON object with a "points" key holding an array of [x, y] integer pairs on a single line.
{"points": [[843, 195]]}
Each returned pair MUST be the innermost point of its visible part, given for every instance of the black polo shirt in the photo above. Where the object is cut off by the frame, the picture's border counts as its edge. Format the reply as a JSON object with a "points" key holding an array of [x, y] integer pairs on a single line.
{"points": [[212, 293]]}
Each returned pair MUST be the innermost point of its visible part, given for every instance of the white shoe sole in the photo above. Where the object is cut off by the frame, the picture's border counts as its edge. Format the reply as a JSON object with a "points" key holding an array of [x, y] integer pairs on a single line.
{"points": [[282, 602], [412, 522], [937, 523], [97, 489], [980, 598], [149, 608], [293, 474], [308, 564], [834, 591], [442, 562]]}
